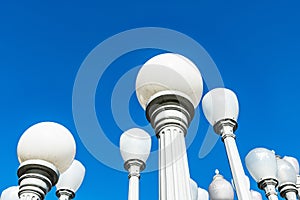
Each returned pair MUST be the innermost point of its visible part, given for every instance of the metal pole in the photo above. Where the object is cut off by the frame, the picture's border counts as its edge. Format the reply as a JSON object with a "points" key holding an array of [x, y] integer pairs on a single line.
{"points": [[226, 129], [170, 116]]}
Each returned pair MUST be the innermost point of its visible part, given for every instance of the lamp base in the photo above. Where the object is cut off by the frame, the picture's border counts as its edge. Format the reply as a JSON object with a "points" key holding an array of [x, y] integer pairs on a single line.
{"points": [[288, 190], [170, 108], [36, 178]]}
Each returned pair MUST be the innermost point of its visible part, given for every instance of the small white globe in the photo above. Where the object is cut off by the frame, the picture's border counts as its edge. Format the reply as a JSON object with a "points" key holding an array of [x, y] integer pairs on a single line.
{"points": [[10, 193], [72, 178], [219, 104], [220, 189], [48, 141], [169, 72], [135, 143]]}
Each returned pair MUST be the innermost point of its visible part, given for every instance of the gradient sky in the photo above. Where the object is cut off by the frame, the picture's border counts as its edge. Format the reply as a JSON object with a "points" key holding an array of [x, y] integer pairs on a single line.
{"points": [[255, 45]]}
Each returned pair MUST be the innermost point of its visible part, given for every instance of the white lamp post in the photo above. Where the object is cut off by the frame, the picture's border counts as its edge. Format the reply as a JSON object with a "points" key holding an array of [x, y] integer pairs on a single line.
{"points": [[293, 161], [287, 177], [221, 109], [10, 193], [262, 165], [44, 150], [70, 181], [220, 189], [169, 87], [135, 146]]}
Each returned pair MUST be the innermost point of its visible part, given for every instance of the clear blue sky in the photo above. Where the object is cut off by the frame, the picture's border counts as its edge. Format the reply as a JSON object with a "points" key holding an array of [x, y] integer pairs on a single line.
{"points": [[255, 45]]}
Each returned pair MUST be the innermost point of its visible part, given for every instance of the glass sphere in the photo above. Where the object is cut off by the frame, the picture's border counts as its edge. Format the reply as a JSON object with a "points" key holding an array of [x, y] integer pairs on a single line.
{"points": [[72, 178], [169, 72], [202, 194], [293, 161], [261, 164], [220, 103], [135, 143], [48, 141], [286, 173], [10, 193], [220, 189]]}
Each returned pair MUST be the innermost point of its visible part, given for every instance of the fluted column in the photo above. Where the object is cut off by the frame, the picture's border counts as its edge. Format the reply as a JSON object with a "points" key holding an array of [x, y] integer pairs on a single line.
{"points": [[174, 171]]}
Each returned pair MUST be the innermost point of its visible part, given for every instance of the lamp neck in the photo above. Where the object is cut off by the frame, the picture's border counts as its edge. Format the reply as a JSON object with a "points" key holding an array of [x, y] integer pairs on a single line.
{"points": [[36, 179], [65, 194], [134, 167], [170, 110], [226, 128], [269, 186]]}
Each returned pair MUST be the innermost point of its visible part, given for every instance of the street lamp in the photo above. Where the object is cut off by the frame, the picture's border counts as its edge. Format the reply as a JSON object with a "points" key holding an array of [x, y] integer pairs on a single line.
{"points": [[293, 161], [287, 178], [70, 181], [135, 146], [44, 150], [169, 87], [220, 188], [261, 164], [221, 109]]}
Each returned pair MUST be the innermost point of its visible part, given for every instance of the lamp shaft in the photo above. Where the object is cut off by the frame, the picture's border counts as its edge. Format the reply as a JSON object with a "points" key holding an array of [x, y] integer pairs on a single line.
{"points": [[235, 163], [170, 116], [269, 186], [133, 193], [174, 176]]}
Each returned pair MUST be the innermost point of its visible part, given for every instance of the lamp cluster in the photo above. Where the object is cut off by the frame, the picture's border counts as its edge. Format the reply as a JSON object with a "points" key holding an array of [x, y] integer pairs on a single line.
{"points": [[169, 88], [46, 154], [271, 171]]}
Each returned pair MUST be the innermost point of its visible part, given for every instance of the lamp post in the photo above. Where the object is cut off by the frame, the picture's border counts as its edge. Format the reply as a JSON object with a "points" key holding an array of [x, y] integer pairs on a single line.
{"points": [[294, 162], [169, 87], [220, 189], [70, 181], [221, 109], [135, 146], [44, 150], [287, 177], [262, 165]]}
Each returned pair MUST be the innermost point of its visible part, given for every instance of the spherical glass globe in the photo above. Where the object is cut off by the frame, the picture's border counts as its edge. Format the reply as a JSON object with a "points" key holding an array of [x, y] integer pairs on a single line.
{"points": [[261, 164], [286, 173], [293, 161], [220, 103], [48, 141], [202, 194], [135, 143], [220, 189], [194, 189], [72, 178], [172, 72], [10, 193], [255, 195]]}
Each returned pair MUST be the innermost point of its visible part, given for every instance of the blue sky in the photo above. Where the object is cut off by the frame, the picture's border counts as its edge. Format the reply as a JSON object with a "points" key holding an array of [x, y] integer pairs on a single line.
{"points": [[255, 45]]}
